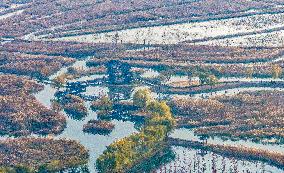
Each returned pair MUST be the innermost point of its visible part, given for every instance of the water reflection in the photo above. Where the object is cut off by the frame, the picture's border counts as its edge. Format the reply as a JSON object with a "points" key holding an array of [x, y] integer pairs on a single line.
{"points": [[198, 32], [188, 134], [165, 156], [45, 96], [117, 93], [185, 160], [193, 160], [95, 143], [96, 91]]}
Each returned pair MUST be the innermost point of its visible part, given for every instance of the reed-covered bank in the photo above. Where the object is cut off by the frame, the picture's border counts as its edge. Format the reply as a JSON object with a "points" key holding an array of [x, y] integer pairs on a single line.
{"points": [[32, 155], [272, 158], [255, 115]]}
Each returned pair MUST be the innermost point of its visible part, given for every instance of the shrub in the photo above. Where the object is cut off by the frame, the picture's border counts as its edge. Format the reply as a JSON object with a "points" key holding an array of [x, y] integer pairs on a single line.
{"points": [[141, 98], [104, 104], [124, 154]]}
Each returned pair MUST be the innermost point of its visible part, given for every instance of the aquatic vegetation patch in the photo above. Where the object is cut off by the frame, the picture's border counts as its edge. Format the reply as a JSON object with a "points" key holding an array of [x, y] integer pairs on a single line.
{"points": [[36, 154], [98, 126], [39, 66], [273, 158], [248, 115], [21, 113], [74, 106], [11, 84]]}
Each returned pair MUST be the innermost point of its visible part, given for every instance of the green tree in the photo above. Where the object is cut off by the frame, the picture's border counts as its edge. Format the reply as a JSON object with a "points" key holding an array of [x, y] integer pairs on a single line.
{"points": [[22, 169], [142, 97], [212, 80], [123, 154], [161, 115], [159, 108], [103, 104]]}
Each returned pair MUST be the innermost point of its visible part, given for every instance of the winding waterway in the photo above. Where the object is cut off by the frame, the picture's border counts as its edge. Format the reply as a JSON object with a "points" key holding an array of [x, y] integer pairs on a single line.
{"points": [[186, 159]]}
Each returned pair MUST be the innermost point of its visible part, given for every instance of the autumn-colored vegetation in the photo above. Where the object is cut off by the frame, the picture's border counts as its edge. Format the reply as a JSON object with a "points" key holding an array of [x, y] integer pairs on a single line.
{"points": [[98, 126], [74, 106], [39, 66], [31, 155], [11, 84], [125, 153], [242, 152], [203, 54], [219, 69], [21, 113], [104, 106], [247, 115], [61, 48], [142, 98], [73, 17]]}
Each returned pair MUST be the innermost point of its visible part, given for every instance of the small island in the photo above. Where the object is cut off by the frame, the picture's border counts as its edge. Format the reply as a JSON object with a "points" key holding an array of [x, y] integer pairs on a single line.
{"points": [[98, 127], [74, 106]]}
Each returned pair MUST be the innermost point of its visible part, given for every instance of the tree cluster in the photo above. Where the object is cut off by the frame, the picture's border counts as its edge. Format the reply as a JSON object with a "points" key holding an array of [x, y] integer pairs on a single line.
{"points": [[123, 154]]}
